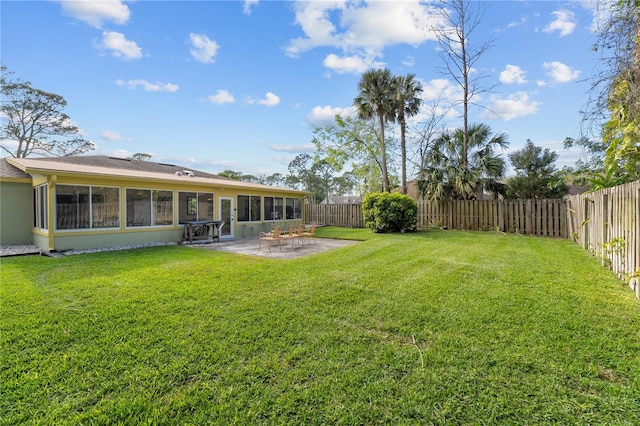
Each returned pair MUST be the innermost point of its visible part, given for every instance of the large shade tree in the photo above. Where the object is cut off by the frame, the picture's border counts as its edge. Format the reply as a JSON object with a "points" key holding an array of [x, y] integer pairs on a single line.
{"points": [[376, 99], [449, 175], [34, 122], [356, 143], [407, 104]]}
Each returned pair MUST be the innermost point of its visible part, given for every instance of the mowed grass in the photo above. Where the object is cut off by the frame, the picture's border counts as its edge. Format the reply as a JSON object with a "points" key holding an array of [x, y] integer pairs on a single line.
{"points": [[426, 328]]}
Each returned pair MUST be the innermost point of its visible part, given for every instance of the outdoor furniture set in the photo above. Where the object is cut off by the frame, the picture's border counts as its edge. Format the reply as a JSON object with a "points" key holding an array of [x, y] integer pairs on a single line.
{"points": [[276, 237]]}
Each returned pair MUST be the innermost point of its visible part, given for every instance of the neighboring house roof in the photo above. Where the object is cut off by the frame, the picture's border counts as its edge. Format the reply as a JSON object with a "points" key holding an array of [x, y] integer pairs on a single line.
{"points": [[412, 189], [576, 190], [353, 199], [128, 169], [11, 172]]}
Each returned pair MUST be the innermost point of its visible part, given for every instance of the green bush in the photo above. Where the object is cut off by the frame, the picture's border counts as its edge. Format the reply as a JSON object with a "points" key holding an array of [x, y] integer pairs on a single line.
{"points": [[389, 212]]}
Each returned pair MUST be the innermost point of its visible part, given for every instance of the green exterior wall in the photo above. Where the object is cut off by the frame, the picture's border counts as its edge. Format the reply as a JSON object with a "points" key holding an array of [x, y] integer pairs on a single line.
{"points": [[15, 213], [68, 241]]}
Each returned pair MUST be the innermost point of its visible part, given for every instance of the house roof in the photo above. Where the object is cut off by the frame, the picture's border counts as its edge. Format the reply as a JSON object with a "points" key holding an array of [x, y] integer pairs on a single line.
{"points": [[334, 199], [100, 165], [122, 163], [9, 171]]}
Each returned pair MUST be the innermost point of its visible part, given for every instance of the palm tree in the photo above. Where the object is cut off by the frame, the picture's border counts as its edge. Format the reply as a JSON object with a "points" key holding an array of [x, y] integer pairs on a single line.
{"points": [[407, 90], [376, 100], [449, 176]]}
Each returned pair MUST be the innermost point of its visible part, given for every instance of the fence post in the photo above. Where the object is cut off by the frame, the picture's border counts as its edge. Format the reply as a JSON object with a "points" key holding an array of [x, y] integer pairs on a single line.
{"points": [[528, 218], [585, 224], [605, 223], [636, 281]]}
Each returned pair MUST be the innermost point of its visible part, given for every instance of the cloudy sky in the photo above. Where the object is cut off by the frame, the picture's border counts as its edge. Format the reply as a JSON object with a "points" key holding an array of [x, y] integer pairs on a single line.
{"points": [[239, 85]]}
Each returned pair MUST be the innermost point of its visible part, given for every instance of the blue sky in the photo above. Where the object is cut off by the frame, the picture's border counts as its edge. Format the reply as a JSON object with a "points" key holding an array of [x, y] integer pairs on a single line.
{"points": [[239, 85]]}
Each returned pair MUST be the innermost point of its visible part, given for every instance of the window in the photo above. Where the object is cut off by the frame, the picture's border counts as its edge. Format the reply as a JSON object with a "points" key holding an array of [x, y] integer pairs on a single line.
{"points": [[72, 207], [40, 207], [195, 206], [248, 208], [294, 208], [192, 206], [87, 207], [163, 207], [138, 207], [273, 208], [147, 207], [105, 207]]}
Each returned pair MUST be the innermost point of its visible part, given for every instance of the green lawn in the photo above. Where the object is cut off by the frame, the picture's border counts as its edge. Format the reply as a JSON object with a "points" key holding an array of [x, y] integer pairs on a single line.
{"points": [[440, 327]]}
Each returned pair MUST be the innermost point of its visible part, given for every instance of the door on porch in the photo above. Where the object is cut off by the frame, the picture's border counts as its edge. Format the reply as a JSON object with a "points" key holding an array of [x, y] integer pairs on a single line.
{"points": [[226, 214]]}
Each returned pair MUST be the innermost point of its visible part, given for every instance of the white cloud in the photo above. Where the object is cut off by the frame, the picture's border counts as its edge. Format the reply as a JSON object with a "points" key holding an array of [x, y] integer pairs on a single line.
{"points": [[514, 24], [148, 87], [512, 74], [348, 64], [515, 105], [111, 136], [221, 97], [600, 10], [440, 88], [559, 72], [360, 29], [204, 50], [381, 23], [95, 13], [118, 153], [409, 61], [309, 147], [270, 100], [313, 18], [119, 46], [564, 23], [248, 4], [325, 115]]}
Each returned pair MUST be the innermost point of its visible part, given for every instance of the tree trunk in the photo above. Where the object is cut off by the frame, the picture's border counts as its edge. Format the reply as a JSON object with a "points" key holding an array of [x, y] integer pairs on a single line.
{"points": [[383, 148], [403, 148]]}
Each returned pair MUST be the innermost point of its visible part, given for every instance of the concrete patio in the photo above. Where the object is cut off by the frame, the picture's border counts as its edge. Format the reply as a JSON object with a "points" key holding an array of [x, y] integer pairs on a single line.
{"points": [[288, 250], [248, 246]]}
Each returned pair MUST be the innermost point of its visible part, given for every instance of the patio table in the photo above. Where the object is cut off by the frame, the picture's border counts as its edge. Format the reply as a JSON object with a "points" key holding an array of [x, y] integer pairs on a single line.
{"points": [[203, 231]]}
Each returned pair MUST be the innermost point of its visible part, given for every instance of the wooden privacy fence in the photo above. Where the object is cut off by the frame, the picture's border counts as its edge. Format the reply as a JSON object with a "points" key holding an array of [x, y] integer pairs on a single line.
{"points": [[535, 217], [343, 215], [607, 223]]}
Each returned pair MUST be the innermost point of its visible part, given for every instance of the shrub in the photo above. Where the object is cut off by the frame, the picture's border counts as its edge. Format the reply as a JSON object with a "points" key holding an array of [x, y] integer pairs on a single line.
{"points": [[389, 212]]}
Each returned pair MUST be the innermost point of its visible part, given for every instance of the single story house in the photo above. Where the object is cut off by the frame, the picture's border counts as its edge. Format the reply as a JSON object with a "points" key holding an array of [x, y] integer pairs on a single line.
{"points": [[83, 202]]}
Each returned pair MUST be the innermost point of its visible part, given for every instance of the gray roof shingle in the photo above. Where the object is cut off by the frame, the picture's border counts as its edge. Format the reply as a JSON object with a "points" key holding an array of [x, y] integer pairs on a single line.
{"points": [[127, 164], [9, 171]]}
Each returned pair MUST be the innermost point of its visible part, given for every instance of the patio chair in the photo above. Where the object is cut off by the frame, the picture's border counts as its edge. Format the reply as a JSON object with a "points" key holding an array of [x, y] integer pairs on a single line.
{"points": [[270, 238], [310, 233], [299, 231], [293, 234]]}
